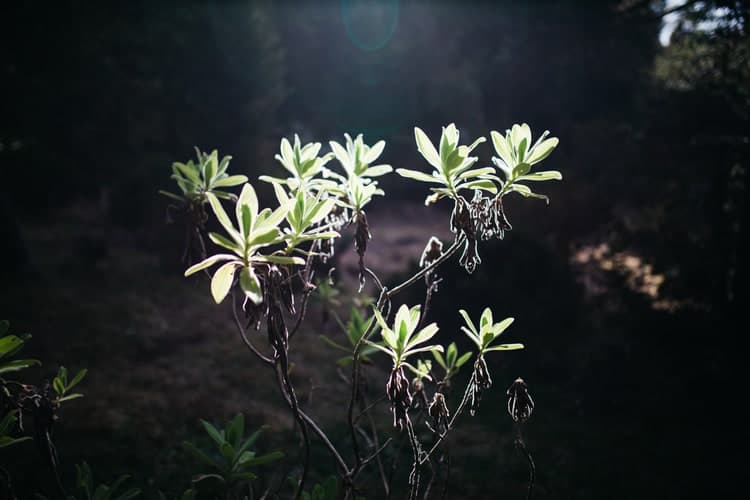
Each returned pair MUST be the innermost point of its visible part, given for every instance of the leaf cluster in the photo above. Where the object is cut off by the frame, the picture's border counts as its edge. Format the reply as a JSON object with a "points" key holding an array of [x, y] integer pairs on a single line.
{"points": [[86, 488], [62, 387], [231, 460], [206, 175], [402, 340], [487, 332], [516, 156], [452, 165], [354, 329], [451, 362]]}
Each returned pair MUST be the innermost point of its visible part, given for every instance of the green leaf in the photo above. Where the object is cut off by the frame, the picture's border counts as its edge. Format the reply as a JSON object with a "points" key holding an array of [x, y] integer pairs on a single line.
{"points": [[264, 237], [227, 451], [521, 169], [244, 476], [78, 377], [473, 336], [419, 176], [248, 199], [463, 359], [223, 218], [4, 326], [379, 347], [211, 167], [129, 494], [202, 477], [377, 171], [235, 430], [189, 172], [280, 259], [213, 432], [424, 335], [70, 397], [58, 386], [505, 347], [374, 153], [482, 184], [221, 257], [468, 321], [439, 358], [428, 348], [190, 447], [501, 147], [334, 344], [9, 441], [542, 176], [426, 148], [250, 284], [542, 150], [342, 155], [230, 181], [502, 326], [171, 195], [264, 459], [10, 344], [225, 243], [222, 280], [451, 354], [526, 192], [18, 364], [8, 420]]}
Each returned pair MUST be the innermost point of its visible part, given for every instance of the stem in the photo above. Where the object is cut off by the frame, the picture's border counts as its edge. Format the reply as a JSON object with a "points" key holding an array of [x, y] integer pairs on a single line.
{"points": [[414, 475], [445, 256], [283, 373], [458, 411], [313, 425], [243, 334], [532, 468]]}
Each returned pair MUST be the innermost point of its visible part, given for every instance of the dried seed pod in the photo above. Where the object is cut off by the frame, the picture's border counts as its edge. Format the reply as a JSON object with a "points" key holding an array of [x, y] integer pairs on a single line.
{"points": [[470, 257], [361, 237], [501, 222], [419, 398], [520, 404], [439, 412], [397, 390], [432, 252], [481, 381]]}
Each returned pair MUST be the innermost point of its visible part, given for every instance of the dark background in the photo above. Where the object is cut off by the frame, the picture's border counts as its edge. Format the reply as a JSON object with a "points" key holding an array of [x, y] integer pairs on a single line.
{"points": [[628, 289]]}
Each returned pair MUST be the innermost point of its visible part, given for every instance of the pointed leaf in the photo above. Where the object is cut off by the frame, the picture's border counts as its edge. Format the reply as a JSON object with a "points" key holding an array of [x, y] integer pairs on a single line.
{"points": [[542, 150], [250, 284], [425, 147], [209, 262], [222, 281], [505, 347]]}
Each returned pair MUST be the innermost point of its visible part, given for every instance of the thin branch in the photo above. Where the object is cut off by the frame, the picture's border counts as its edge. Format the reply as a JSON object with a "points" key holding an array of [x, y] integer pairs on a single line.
{"points": [[458, 412], [282, 369], [369, 407], [243, 334], [445, 256], [376, 452]]}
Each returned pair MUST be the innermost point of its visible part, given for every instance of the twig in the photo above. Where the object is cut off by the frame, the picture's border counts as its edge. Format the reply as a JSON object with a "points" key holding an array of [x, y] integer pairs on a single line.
{"points": [[243, 334], [445, 256], [448, 428]]}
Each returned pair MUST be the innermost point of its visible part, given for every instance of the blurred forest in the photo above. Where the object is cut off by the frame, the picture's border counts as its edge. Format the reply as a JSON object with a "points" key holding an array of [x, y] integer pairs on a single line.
{"points": [[628, 290]]}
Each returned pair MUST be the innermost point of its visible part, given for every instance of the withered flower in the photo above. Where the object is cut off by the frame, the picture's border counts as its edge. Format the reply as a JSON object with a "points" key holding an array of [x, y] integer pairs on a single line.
{"points": [[481, 381], [439, 412], [520, 404], [397, 390], [432, 252], [361, 237]]}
